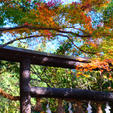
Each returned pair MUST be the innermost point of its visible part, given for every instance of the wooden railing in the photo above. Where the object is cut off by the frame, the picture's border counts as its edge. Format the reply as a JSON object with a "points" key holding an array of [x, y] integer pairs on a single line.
{"points": [[27, 57], [73, 107], [26, 92]]}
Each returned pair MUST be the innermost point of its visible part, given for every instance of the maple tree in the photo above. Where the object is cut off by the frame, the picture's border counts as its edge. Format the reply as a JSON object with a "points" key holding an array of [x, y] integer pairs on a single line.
{"points": [[53, 19], [84, 34]]}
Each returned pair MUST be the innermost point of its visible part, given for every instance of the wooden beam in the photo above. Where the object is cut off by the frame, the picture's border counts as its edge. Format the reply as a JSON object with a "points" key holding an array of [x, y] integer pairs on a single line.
{"points": [[40, 58], [68, 93], [25, 105]]}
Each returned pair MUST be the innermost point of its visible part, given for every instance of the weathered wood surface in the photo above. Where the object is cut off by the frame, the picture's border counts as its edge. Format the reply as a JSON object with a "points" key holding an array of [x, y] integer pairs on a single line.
{"points": [[40, 58], [68, 93], [25, 105]]}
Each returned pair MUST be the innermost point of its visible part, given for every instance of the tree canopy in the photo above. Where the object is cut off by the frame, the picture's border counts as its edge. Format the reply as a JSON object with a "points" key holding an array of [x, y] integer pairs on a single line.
{"points": [[85, 26]]}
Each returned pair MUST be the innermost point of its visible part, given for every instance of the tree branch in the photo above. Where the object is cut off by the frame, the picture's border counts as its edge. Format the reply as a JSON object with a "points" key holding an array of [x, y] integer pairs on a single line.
{"points": [[19, 39], [42, 28], [42, 35], [39, 75], [80, 30], [76, 45], [8, 96]]}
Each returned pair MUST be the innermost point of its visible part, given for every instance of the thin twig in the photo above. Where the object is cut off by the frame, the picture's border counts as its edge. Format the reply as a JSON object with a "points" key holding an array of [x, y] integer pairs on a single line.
{"points": [[41, 75], [76, 45], [17, 39]]}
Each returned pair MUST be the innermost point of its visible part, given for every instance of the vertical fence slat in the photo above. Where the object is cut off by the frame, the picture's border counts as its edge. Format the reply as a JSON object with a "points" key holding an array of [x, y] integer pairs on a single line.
{"points": [[38, 106], [25, 105], [99, 108], [60, 108]]}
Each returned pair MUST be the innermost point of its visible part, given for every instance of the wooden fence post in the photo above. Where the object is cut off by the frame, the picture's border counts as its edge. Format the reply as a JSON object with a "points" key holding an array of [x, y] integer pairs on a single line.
{"points": [[25, 104]]}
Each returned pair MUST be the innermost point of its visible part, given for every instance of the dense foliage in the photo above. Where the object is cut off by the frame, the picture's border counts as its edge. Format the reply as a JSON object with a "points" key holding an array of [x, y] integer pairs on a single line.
{"points": [[82, 28]]}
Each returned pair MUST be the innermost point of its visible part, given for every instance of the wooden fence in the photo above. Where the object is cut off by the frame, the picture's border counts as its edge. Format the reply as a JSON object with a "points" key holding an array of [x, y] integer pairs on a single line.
{"points": [[28, 57]]}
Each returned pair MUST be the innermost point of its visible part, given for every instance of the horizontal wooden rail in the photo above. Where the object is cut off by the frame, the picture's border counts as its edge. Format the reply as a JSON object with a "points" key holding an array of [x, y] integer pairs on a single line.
{"points": [[68, 93], [40, 58]]}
